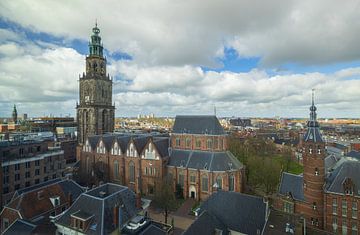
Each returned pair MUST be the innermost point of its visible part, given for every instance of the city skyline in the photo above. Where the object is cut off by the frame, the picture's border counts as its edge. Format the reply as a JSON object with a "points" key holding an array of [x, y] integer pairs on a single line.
{"points": [[176, 58]]}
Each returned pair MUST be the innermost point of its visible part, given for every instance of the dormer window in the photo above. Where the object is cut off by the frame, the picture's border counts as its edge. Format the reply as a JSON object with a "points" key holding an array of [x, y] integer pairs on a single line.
{"points": [[316, 171], [80, 220], [348, 186], [131, 151], [55, 201], [115, 149], [101, 148], [87, 146]]}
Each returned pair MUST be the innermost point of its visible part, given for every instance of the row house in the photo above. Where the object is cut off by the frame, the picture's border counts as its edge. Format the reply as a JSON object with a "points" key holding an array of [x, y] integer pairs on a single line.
{"points": [[137, 161]]}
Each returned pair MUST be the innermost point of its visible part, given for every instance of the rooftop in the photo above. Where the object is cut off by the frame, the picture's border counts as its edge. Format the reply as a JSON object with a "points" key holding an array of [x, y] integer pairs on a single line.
{"points": [[200, 124], [245, 214], [292, 185]]}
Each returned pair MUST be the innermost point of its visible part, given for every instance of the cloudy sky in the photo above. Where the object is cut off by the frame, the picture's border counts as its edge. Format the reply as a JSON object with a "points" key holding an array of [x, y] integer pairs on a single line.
{"points": [[247, 58]]}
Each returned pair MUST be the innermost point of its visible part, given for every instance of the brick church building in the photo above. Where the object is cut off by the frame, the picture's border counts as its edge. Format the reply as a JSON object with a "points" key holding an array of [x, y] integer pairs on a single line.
{"points": [[327, 199], [195, 156]]}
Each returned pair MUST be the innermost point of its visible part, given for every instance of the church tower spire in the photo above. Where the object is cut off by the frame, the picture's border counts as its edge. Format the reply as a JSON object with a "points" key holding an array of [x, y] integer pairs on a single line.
{"points": [[314, 170], [95, 45], [95, 112], [14, 114]]}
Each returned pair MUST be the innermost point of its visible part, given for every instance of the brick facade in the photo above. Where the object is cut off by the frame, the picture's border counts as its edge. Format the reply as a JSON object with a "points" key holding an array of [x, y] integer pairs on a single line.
{"points": [[27, 164]]}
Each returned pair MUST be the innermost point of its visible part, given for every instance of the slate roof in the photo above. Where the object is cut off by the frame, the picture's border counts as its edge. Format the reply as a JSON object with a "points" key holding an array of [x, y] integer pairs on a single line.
{"points": [[153, 230], [330, 162], [102, 207], [162, 145], [36, 186], [31, 206], [205, 224], [140, 142], [93, 140], [354, 154], [334, 150], [293, 184], [313, 134], [20, 227], [245, 214], [348, 169], [123, 142], [200, 124], [203, 160]]}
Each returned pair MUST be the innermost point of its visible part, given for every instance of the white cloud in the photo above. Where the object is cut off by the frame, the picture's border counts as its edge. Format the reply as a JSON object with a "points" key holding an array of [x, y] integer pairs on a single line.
{"points": [[170, 41], [191, 32]]}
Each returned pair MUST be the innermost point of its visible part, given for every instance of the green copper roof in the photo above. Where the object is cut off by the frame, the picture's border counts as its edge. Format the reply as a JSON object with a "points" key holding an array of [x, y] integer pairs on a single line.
{"points": [[95, 46]]}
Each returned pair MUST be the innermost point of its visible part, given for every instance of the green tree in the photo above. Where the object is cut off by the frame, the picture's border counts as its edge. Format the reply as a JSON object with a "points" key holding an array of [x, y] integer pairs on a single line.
{"points": [[165, 198]]}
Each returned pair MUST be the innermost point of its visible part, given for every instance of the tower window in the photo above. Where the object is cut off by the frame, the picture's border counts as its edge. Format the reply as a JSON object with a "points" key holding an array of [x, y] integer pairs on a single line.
{"points": [[319, 151], [177, 142], [314, 205], [316, 171], [310, 151]]}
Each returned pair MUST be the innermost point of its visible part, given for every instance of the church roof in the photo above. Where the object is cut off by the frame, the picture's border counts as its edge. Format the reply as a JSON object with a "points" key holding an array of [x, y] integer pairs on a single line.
{"points": [[199, 124], [203, 160]]}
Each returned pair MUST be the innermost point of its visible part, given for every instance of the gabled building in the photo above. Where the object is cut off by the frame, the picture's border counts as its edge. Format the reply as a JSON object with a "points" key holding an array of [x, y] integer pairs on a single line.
{"points": [[326, 194], [40, 205], [199, 158], [230, 213], [137, 161]]}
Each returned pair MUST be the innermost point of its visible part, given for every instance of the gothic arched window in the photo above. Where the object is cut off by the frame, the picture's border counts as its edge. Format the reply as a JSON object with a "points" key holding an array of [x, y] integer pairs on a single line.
{"points": [[209, 144], [116, 169], [104, 116], [219, 182], [231, 183], [132, 172], [204, 183]]}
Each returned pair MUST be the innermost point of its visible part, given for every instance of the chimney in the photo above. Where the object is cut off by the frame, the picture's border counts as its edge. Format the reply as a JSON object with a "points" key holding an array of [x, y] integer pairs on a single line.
{"points": [[116, 216], [70, 199], [138, 201]]}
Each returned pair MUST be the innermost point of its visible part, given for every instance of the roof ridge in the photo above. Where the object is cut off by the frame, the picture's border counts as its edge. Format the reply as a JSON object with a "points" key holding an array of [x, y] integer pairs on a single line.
{"points": [[211, 161], [299, 175], [190, 155]]}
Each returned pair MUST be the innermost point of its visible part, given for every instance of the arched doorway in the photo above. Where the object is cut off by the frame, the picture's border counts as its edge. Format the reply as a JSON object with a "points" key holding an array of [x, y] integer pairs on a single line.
{"points": [[192, 191]]}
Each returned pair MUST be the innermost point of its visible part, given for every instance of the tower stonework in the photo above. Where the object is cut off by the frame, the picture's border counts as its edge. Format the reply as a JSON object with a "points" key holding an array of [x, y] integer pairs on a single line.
{"points": [[314, 171], [95, 112]]}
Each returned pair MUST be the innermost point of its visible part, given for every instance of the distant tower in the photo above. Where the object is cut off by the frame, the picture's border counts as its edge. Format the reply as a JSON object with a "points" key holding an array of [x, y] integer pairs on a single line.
{"points": [[14, 114], [95, 113], [314, 171]]}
